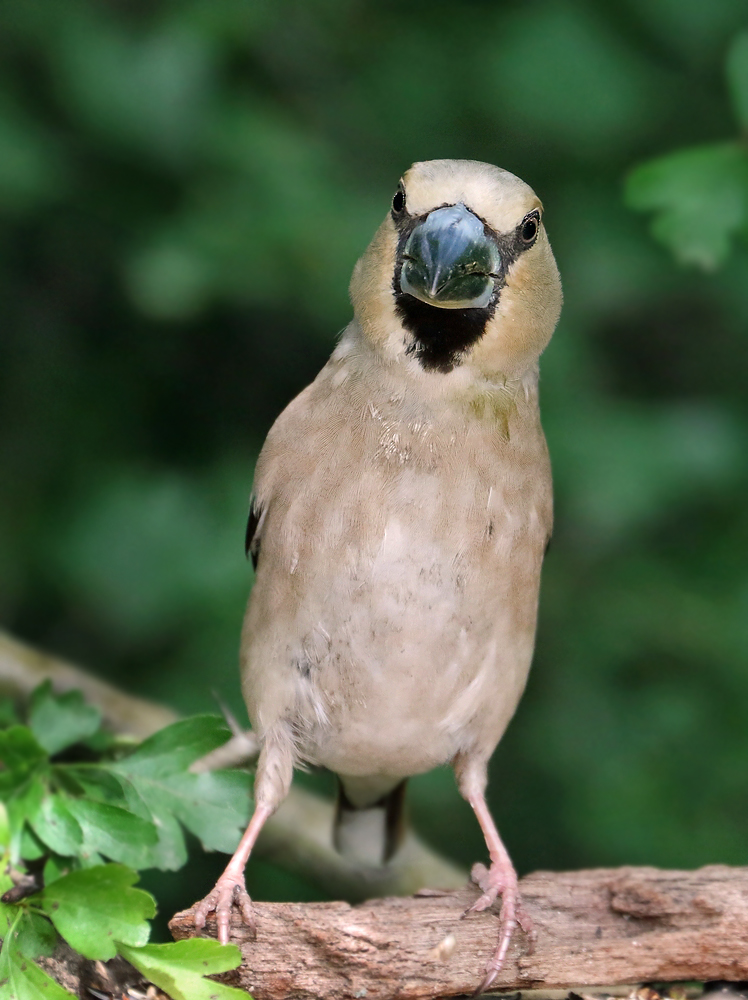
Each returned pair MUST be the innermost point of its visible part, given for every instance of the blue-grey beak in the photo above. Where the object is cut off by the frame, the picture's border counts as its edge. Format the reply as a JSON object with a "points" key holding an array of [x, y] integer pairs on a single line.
{"points": [[450, 262]]}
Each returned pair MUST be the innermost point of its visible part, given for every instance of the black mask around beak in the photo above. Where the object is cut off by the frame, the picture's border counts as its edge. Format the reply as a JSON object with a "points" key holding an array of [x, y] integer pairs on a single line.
{"points": [[449, 261]]}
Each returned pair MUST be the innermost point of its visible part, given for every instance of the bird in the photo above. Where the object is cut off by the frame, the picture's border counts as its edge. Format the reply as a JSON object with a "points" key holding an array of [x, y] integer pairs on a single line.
{"points": [[401, 510]]}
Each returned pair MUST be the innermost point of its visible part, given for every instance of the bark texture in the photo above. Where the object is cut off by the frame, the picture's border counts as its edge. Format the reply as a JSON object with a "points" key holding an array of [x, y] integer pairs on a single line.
{"points": [[596, 930]]}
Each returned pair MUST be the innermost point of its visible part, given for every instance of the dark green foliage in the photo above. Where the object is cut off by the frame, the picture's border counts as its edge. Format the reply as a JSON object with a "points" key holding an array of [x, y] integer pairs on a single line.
{"points": [[184, 189], [701, 194], [72, 812], [130, 805]]}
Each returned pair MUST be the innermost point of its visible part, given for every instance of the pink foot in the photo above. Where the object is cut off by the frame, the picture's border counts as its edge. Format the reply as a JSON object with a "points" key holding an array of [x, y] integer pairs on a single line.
{"points": [[229, 890], [500, 879]]}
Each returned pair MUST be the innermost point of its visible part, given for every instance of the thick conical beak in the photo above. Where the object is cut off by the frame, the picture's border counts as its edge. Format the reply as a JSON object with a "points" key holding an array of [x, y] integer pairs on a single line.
{"points": [[450, 262]]}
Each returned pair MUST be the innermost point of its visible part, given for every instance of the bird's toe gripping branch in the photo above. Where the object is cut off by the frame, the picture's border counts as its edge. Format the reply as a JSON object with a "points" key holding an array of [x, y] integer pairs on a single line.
{"points": [[228, 891], [500, 879], [230, 888]]}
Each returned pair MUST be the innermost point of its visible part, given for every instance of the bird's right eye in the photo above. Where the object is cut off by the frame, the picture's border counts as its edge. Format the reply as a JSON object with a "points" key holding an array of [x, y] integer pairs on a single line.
{"points": [[398, 202]]}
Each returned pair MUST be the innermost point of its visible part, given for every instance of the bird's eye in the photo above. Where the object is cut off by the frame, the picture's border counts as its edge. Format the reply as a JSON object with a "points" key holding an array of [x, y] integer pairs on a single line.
{"points": [[530, 226], [398, 202]]}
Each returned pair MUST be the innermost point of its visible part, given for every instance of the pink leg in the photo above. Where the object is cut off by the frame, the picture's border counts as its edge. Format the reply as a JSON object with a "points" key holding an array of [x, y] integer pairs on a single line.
{"points": [[230, 887], [273, 779], [499, 878]]}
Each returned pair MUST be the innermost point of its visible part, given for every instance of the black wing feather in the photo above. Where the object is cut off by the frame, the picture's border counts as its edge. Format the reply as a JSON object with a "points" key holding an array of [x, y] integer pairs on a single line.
{"points": [[252, 543]]}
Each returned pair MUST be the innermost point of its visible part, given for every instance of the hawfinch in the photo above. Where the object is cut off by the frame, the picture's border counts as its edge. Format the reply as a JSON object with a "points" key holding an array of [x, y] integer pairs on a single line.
{"points": [[401, 510]]}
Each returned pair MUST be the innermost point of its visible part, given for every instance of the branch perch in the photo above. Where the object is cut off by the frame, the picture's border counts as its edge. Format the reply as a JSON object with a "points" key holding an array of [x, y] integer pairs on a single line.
{"points": [[598, 931], [613, 926]]}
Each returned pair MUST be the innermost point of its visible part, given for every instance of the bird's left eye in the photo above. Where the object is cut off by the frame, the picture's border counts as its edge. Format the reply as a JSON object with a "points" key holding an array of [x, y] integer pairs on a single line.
{"points": [[398, 202], [529, 228]]}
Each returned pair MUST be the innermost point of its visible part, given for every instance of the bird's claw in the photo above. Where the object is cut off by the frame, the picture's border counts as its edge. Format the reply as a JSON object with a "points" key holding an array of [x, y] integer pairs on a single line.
{"points": [[491, 881], [228, 891], [494, 881]]}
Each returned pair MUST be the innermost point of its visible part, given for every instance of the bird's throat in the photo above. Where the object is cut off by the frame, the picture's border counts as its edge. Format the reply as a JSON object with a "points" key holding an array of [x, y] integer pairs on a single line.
{"points": [[440, 337]]}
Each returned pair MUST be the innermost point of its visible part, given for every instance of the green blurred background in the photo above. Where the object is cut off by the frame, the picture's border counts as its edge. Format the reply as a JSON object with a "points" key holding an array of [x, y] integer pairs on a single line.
{"points": [[184, 189]]}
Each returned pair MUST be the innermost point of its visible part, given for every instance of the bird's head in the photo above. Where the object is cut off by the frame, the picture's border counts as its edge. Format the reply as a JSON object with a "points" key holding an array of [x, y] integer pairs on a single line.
{"points": [[460, 273]]}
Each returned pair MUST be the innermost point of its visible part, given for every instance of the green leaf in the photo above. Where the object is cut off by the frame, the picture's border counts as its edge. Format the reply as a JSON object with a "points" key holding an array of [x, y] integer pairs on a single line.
{"points": [[96, 907], [214, 805], [95, 781], [737, 77], [175, 747], [170, 852], [91, 859], [59, 721], [22, 979], [53, 823], [31, 933], [114, 832], [700, 200], [4, 828], [8, 714], [34, 934], [178, 968], [8, 912], [23, 804], [31, 847], [55, 867], [20, 755]]}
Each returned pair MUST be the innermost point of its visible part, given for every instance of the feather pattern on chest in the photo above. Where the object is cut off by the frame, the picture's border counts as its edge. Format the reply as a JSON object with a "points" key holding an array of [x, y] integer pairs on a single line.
{"points": [[429, 590]]}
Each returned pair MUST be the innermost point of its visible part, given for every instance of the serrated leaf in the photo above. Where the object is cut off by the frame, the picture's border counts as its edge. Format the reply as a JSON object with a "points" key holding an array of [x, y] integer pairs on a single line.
{"points": [[170, 852], [700, 200], [22, 979], [59, 721], [96, 907], [114, 832], [175, 747], [178, 968], [54, 824], [737, 77], [213, 805]]}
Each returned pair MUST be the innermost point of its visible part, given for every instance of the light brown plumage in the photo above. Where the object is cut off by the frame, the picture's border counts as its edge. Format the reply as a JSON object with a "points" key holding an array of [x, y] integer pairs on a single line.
{"points": [[403, 506]]}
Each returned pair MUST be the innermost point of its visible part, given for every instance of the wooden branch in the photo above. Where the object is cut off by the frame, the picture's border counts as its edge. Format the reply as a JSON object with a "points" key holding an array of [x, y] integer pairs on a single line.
{"points": [[298, 837], [596, 931]]}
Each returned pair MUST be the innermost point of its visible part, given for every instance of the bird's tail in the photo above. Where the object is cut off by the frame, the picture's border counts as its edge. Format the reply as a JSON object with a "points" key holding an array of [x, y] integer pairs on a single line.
{"points": [[370, 835]]}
